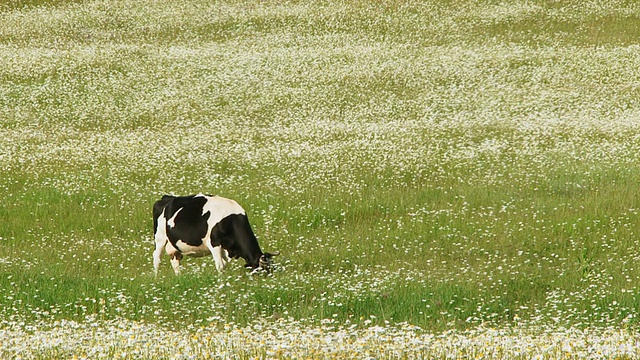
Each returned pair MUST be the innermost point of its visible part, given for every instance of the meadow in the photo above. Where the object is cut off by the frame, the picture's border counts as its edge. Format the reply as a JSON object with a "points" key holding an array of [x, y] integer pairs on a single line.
{"points": [[443, 178]]}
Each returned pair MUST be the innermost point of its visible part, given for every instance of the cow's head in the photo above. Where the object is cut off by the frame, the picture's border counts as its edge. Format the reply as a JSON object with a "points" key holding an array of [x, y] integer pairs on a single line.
{"points": [[266, 260]]}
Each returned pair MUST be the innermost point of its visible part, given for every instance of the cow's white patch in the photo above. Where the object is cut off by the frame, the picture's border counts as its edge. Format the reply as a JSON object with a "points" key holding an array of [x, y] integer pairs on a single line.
{"points": [[172, 221], [220, 208], [170, 249], [190, 250]]}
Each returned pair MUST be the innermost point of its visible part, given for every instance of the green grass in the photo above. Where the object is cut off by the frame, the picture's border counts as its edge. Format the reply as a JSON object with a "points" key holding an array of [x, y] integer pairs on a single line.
{"points": [[443, 164]]}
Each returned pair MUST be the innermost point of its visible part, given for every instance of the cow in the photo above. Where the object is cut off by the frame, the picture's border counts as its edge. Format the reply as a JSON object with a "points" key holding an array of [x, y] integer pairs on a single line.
{"points": [[200, 225]]}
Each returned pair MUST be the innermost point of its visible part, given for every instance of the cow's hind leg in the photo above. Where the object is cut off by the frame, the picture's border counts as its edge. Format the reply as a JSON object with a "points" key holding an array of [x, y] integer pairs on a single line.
{"points": [[175, 261], [160, 244], [175, 255]]}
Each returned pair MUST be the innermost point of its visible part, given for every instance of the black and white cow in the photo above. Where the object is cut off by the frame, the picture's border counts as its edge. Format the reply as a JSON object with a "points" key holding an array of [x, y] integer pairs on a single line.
{"points": [[200, 225]]}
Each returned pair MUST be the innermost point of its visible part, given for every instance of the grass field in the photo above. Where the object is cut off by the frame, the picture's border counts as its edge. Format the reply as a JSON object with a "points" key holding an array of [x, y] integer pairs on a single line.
{"points": [[442, 178]]}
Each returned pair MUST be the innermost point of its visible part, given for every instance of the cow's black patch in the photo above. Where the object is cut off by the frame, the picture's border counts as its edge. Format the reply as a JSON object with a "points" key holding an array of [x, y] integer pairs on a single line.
{"points": [[190, 224], [235, 235]]}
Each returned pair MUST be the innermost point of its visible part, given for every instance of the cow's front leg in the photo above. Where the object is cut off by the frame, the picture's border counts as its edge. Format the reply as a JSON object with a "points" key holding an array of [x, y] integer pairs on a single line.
{"points": [[220, 257]]}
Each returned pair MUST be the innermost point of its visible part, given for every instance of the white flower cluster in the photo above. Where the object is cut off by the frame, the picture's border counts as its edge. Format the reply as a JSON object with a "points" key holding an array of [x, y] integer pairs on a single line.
{"points": [[286, 339]]}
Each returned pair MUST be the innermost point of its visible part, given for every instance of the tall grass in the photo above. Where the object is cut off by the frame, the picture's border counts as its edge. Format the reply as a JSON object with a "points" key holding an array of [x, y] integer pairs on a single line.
{"points": [[443, 164]]}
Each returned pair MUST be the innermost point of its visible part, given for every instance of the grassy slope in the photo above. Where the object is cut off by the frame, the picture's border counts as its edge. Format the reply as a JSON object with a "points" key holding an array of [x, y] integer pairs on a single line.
{"points": [[442, 164]]}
